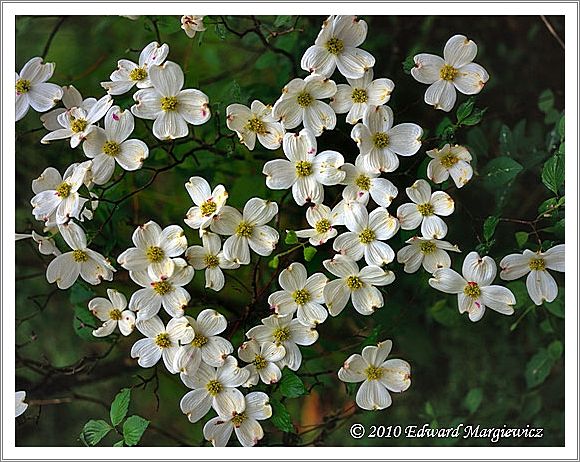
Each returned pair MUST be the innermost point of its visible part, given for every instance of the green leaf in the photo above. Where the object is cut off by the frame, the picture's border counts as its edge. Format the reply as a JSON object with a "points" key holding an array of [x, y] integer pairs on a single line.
{"points": [[291, 237], [95, 430], [556, 307], [506, 144], [538, 368], [221, 31], [445, 128], [521, 238], [473, 400], [118, 444], [281, 417], [553, 173], [555, 349], [546, 101], [548, 205], [561, 127], [444, 314], [500, 171], [283, 21], [291, 386], [309, 253], [465, 109], [474, 118], [120, 406], [80, 293], [133, 429], [552, 117], [274, 262], [546, 326], [489, 227]]}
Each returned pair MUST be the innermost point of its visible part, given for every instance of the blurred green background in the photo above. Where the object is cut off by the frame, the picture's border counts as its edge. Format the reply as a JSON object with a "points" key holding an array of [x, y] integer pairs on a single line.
{"points": [[501, 370]]}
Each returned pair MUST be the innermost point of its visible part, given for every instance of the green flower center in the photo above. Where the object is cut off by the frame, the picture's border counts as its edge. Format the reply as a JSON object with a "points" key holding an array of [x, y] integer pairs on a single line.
{"points": [[237, 419], [448, 72], [281, 334], [335, 46], [162, 287], [79, 256], [63, 190], [301, 296], [472, 290], [363, 182], [304, 99], [162, 340], [354, 282], [449, 160], [199, 341], [111, 148], [374, 372], [214, 387], [259, 362], [537, 264], [257, 126], [427, 247], [359, 95], [115, 314], [322, 226], [154, 254], [169, 103], [425, 209], [367, 236], [303, 168], [23, 86], [211, 261], [207, 208], [78, 125], [381, 140], [138, 74], [244, 229]]}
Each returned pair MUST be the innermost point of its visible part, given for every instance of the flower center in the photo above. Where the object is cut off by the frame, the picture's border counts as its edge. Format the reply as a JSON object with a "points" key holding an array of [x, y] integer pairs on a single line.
{"points": [[139, 73], [367, 236], [335, 46], [448, 72], [359, 95], [363, 182], [115, 314], [214, 387], [281, 334], [199, 341], [237, 419], [354, 282], [23, 86], [381, 140], [257, 126], [322, 226], [63, 190], [211, 261], [449, 160], [472, 290], [162, 340], [162, 287], [208, 207], [111, 148], [79, 256], [259, 362], [537, 264], [169, 103], [303, 168], [427, 247], [304, 99], [78, 125], [374, 372], [301, 296], [244, 229], [425, 209], [154, 254]]}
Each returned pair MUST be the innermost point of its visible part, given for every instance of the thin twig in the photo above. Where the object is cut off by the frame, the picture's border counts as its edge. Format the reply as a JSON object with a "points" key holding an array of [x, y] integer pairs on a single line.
{"points": [[552, 31], [51, 37]]}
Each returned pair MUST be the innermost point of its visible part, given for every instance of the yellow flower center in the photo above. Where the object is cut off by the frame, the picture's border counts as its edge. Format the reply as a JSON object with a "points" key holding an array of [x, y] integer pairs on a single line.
{"points": [[214, 387], [63, 190], [237, 419], [137, 74], [304, 99], [79, 256], [427, 247], [111, 148], [211, 261], [537, 264], [199, 341], [381, 140], [115, 314], [23, 86], [425, 209], [363, 182], [322, 226], [472, 290], [257, 126], [335, 46], [244, 229], [162, 340], [169, 103], [303, 168], [301, 296], [259, 362], [449, 160], [374, 372], [367, 236], [359, 95], [281, 334], [162, 287], [448, 72], [78, 125], [354, 282], [207, 208], [154, 254]]}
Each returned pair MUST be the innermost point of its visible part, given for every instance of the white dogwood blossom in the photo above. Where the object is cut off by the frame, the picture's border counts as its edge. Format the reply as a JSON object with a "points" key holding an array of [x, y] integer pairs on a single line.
{"points": [[46, 245], [21, 406], [208, 203], [456, 70], [323, 221], [262, 360], [192, 24], [113, 313], [450, 161], [431, 253], [378, 374], [361, 182], [255, 122], [33, 90], [71, 97]]}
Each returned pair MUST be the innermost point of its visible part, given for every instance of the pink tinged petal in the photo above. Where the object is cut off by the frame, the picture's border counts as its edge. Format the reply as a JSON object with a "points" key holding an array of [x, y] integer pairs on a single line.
{"points": [[433, 227], [218, 431], [146, 302], [307, 189], [342, 101], [459, 51], [280, 174], [146, 351], [148, 104], [448, 281], [476, 309], [514, 266], [100, 307], [119, 124], [288, 112], [326, 167], [167, 78], [170, 125], [153, 54], [541, 287], [193, 106], [44, 96], [408, 216], [372, 395], [353, 62], [353, 369], [405, 139], [350, 29], [132, 154], [348, 244], [226, 222], [318, 117], [411, 257], [196, 404], [317, 59], [293, 278], [336, 296], [555, 258], [427, 68], [281, 302], [396, 375], [215, 351], [63, 270], [367, 300], [498, 298], [127, 323], [300, 146], [461, 173], [478, 269], [465, 303], [237, 116], [147, 235], [441, 95], [471, 79], [249, 432], [376, 355]]}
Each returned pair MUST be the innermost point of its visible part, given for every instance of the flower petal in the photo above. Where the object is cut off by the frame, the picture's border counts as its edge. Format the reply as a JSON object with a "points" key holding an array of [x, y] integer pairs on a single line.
{"points": [[471, 79], [441, 95], [372, 395], [448, 281], [459, 51], [427, 68]]}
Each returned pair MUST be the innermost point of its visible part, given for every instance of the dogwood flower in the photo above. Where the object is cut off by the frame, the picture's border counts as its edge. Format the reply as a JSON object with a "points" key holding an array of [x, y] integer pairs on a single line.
{"points": [[450, 160], [253, 122], [168, 105], [379, 142], [154, 248], [76, 123], [425, 209], [21, 406], [540, 283], [243, 420], [206, 346], [112, 312], [192, 24], [46, 245], [33, 90], [262, 361], [300, 103], [323, 221], [355, 284], [356, 97], [431, 253], [305, 171], [128, 74], [213, 387], [455, 71], [247, 230], [160, 342], [208, 203], [379, 376], [91, 265], [160, 290], [285, 331], [474, 288], [362, 182], [337, 46], [71, 97], [211, 258], [366, 233], [300, 294]]}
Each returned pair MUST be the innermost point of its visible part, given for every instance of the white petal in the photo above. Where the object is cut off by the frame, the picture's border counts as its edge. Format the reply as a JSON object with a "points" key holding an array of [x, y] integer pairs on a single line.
{"points": [[541, 287], [193, 106], [441, 95], [436, 260], [408, 216], [372, 395], [427, 68], [263, 240], [288, 112], [170, 125], [341, 266], [293, 278], [555, 258], [459, 51], [383, 224], [378, 253], [376, 276], [411, 257], [63, 270], [514, 266], [300, 146], [499, 298], [146, 302], [461, 173], [147, 353], [215, 351], [348, 244], [383, 191], [311, 314], [317, 59], [196, 404], [379, 91], [448, 281], [131, 155], [236, 249], [211, 322], [167, 78], [218, 432], [257, 406], [342, 102], [353, 62], [280, 174], [226, 222], [259, 211], [318, 117], [377, 354], [353, 369], [479, 270], [404, 139], [326, 167], [433, 227], [249, 432], [307, 189], [367, 300], [471, 79], [442, 203], [336, 296], [397, 375]]}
